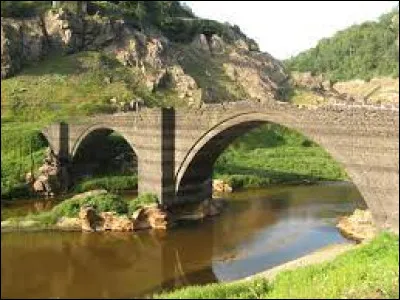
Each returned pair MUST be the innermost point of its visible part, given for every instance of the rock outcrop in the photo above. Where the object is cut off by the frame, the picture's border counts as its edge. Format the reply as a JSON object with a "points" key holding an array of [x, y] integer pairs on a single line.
{"points": [[151, 217], [111, 221], [375, 91], [21, 42], [160, 62], [53, 176], [174, 78], [147, 217], [221, 186], [359, 226]]}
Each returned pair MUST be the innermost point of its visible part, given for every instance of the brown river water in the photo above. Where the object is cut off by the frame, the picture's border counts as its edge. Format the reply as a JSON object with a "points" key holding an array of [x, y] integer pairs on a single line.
{"points": [[259, 229]]}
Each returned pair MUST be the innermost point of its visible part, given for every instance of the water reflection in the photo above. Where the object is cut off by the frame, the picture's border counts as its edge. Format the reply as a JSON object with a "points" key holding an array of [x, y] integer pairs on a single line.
{"points": [[258, 230]]}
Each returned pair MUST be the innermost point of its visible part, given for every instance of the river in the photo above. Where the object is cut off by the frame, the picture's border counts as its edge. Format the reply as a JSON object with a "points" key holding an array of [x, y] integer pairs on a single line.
{"points": [[259, 229]]}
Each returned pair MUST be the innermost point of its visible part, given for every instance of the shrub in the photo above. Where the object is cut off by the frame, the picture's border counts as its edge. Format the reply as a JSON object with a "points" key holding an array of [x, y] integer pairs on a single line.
{"points": [[70, 207], [140, 201], [23, 9]]}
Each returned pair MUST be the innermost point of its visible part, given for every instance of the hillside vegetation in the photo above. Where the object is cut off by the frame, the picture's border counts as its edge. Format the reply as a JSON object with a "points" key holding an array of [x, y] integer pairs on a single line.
{"points": [[359, 52]]}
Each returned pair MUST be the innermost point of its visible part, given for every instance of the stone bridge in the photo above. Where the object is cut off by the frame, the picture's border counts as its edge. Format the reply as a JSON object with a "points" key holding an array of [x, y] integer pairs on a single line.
{"points": [[176, 148]]}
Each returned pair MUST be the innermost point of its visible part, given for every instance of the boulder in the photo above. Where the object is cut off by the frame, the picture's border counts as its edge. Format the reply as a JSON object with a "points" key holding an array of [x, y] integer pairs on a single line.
{"points": [[359, 226], [200, 42], [217, 44], [175, 79], [221, 186], [111, 221], [88, 218], [308, 81], [150, 217]]}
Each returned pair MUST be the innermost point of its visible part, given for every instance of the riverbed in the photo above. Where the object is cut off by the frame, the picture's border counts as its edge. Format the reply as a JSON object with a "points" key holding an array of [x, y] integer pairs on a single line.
{"points": [[259, 229]]}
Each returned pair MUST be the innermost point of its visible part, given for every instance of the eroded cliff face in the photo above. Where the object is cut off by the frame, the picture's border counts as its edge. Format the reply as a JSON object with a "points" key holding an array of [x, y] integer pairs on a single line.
{"points": [[208, 69]]}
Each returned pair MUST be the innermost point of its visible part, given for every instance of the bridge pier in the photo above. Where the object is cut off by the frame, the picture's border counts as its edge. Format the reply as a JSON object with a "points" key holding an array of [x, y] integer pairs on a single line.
{"points": [[156, 161]]}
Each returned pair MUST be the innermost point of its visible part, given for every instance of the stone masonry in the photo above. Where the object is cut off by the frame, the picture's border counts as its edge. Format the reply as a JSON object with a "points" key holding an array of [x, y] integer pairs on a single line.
{"points": [[176, 149]]}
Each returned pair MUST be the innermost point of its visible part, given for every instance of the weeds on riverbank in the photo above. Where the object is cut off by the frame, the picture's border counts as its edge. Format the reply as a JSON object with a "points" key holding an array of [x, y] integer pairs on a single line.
{"points": [[101, 202], [113, 183], [370, 272]]}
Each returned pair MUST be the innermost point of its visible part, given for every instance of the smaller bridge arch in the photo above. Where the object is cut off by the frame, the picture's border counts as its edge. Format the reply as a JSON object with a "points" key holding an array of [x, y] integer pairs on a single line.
{"points": [[100, 127]]}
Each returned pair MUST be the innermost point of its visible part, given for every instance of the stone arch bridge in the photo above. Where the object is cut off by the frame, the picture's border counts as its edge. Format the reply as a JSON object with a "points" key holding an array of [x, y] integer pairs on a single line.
{"points": [[176, 148]]}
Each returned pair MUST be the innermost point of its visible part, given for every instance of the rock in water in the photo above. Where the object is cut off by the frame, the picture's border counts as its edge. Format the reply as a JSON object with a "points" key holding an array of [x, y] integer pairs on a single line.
{"points": [[89, 218], [221, 186], [150, 217], [359, 226], [111, 221]]}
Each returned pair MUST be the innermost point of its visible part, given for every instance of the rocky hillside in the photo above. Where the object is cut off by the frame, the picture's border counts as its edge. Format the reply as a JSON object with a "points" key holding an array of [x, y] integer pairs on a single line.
{"points": [[96, 61]]}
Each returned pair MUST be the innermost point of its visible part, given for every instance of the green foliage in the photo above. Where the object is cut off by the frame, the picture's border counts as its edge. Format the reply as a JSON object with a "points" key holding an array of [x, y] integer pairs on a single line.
{"points": [[361, 51], [17, 143], [71, 86], [273, 154], [71, 207], [111, 183], [370, 272], [140, 201], [23, 9]]}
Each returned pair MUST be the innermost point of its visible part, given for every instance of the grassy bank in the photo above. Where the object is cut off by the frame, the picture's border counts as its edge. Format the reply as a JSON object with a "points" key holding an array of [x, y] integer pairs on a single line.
{"points": [[114, 183], [273, 154], [371, 272], [22, 150], [102, 202]]}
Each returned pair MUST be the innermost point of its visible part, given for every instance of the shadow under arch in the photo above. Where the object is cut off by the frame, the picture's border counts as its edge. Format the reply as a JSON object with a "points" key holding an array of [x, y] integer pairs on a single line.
{"points": [[194, 175], [99, 149]]}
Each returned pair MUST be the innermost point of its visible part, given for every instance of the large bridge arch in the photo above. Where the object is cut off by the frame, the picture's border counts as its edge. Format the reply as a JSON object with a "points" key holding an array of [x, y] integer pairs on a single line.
{"points": [[194, 174]]}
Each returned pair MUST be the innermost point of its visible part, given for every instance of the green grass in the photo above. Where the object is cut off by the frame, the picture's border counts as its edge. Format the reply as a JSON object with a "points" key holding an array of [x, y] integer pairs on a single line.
{"points": [[70, 208], [371, 271], [273, 154], [103, 202], [18, 141], [110, 183], [65, 86], [140, 201]]}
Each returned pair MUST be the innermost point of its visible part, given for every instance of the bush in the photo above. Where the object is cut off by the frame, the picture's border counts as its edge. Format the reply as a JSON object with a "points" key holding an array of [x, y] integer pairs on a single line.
{"points": [[140, 201], [70, 207], [23, 9]]}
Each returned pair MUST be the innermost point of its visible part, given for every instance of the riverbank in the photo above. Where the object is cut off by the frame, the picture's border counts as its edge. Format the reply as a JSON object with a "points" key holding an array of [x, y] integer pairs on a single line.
{"points": [[366, 271], [257, 230], [98, 210]]}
